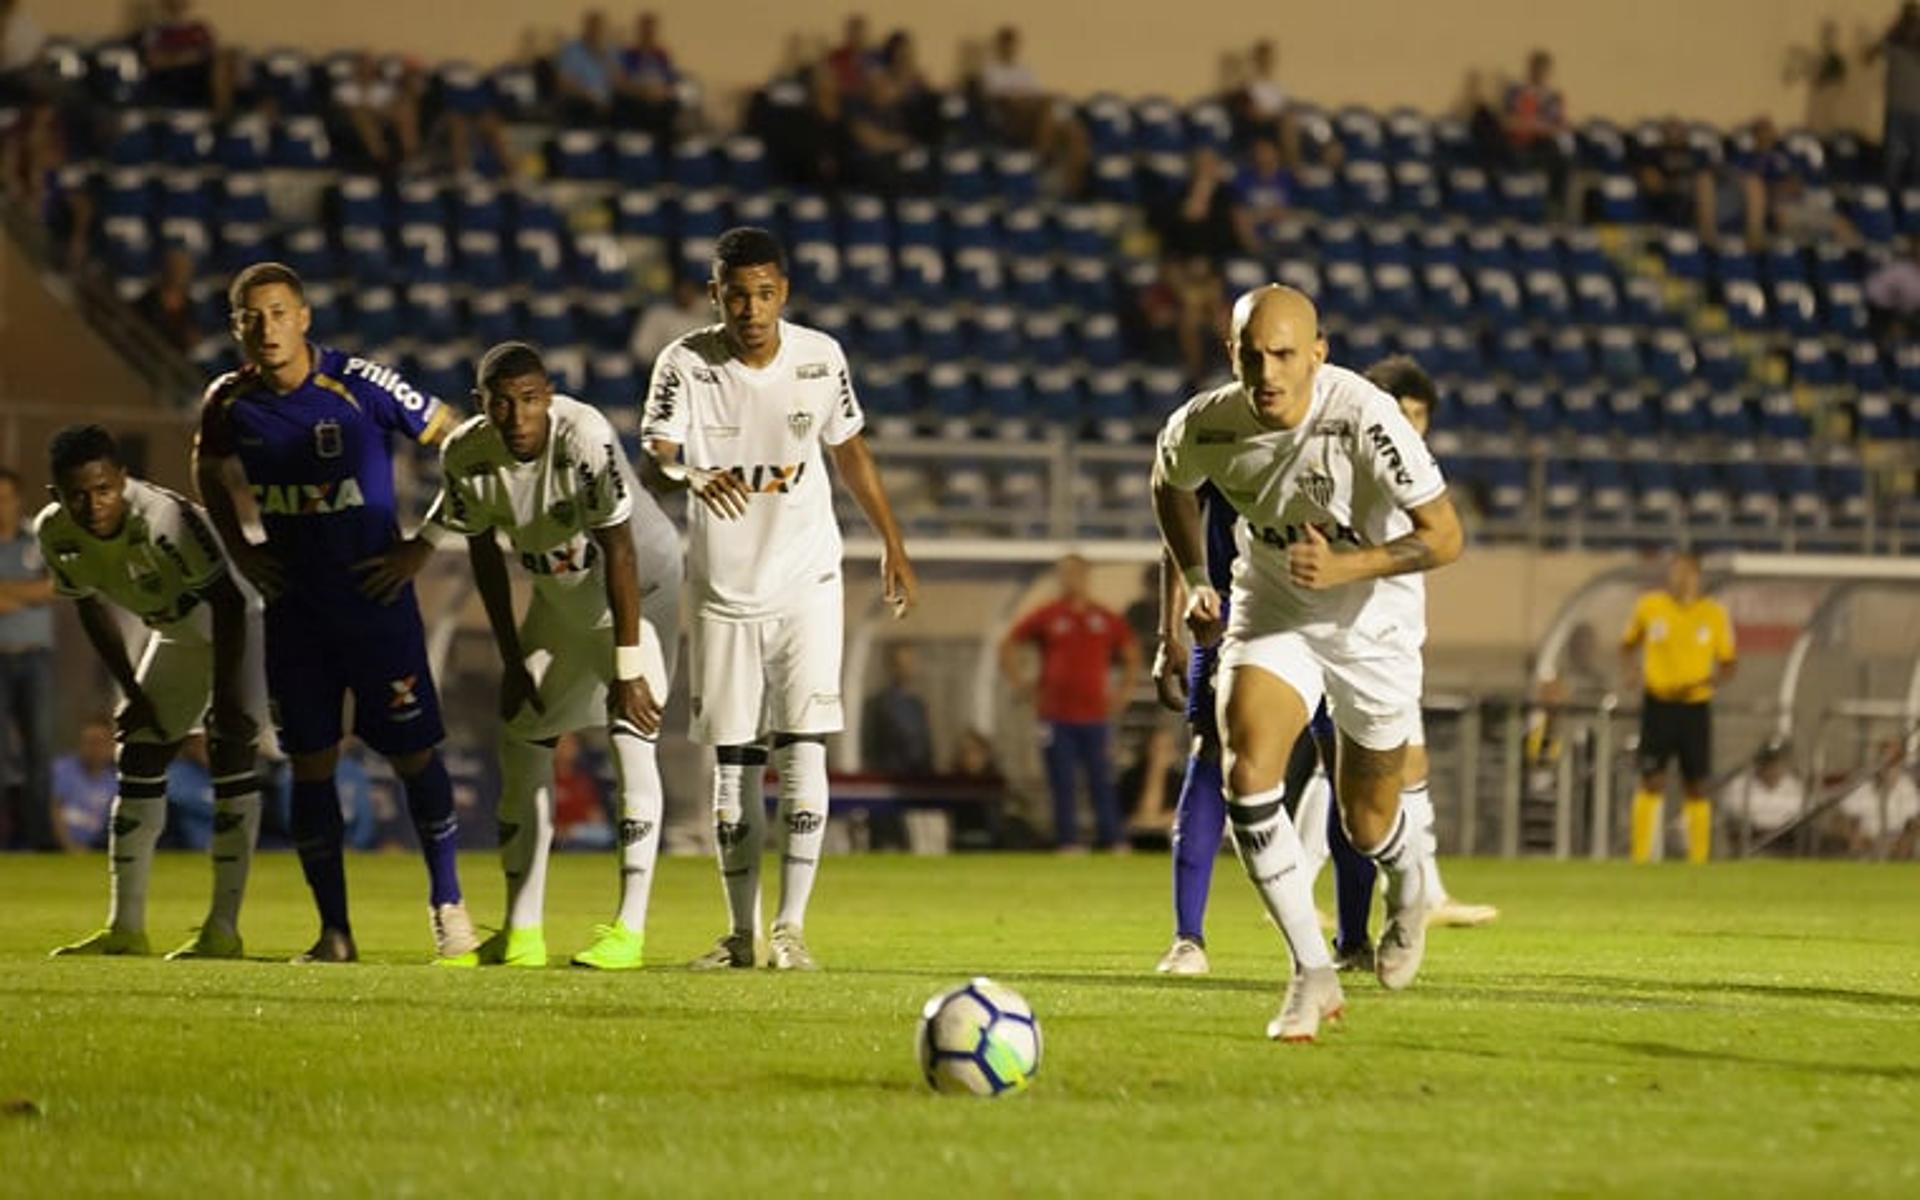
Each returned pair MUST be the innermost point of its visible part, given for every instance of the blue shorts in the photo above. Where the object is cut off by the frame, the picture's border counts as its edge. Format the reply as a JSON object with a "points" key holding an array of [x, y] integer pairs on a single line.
{"points": [[378, 654], [1321, 727], [1202, 713]]}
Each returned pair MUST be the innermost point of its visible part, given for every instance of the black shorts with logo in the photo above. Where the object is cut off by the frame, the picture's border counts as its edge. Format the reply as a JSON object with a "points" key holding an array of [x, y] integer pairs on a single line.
{"points": [[1671, 729]]}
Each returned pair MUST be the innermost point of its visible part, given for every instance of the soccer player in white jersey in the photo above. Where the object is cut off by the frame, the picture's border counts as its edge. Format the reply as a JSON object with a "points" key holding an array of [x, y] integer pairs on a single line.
{"points": [[112, 539], [739, 412], [1335, 494], [596, 644]]}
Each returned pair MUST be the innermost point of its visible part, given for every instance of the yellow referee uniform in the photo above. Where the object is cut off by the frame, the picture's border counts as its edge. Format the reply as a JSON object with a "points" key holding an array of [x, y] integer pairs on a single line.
{"points": [[1682, 644]]}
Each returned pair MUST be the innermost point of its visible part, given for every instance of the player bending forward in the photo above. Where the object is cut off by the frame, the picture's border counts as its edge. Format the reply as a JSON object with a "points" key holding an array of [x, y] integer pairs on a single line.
{"points": [[596, 644], [1335, 493], [738, 412], [142, 548]]}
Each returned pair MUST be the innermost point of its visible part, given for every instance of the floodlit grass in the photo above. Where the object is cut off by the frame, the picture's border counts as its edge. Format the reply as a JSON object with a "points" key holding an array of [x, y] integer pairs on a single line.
{"points": [[1748, 1030]]}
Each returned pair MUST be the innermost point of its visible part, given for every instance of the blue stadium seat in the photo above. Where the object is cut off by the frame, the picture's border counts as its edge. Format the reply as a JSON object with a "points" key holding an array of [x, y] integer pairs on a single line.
{"points": [[127, 192], [636, 161], [1909, 205], [549, 320], [1609, 499], [1718, 364], [1340, 242], [286, 77], [1656, 490], [950, 395], [424, 254], [1440, 245], [1056, 393], [1782, 419], [1523, 196], [1756, 503], [1115, 181], [1846, 308], [1079, 231], [1569, 360], [1368, 187], [865, 222], [1361, 344], [1812, 365], [1536, 249], [1865, 370], [1644, 301], [994, 336], [1361, 132], [1003, 392], [361, 200], [1348, 292], [1507, 488], [1794, 309], [963, 176], [1630, 413], [301, 143], [884, 333], [612, 380], [1158, 128], [1100, 343], [1487, 249], [1410, 136], [1033, 283], [1090, 282], [978, 277], [816, 271], [431, 315], [128, 249], [1026, 232], [937, 336], [1546, 296], [1582, 412], [1872, 213], [184, 196], [639, 214], [1109, 405], [1683, 255], [604, 321], [1620, 359], [1497, 295], [1596, 301], [185, 138], [697, 163], [1683, 412], [481, 259], [971, 227], [376, 315], [323, 299], [539, 259], [1416, 189], [1876, 418], [1016, 176], [1906, 367], [1519, 356], [1731, 416], [1395, 293], [1532, 405], [579, 154], [1564, 494], [1468, 193], [1316, 190], [1601, 146], [1457, 352], [1707, 500], [1619, 200], [1109, 124], [1845, 485], [1448, 298], [1746, 304], [490, 317], [746, 164]]}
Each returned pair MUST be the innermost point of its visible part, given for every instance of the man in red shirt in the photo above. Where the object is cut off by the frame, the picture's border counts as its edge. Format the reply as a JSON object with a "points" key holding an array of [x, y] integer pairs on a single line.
{"points": [[1078, 641]]}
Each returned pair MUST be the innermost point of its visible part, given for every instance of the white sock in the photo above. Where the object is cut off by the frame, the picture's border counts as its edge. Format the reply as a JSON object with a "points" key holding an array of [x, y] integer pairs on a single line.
{"points": [[1400, 856], [1270, 851], [526, 828], [740, 834], [1310, 822], [636, 762], [1417, 802], [236, 827], [139, 814], [803, 811]]}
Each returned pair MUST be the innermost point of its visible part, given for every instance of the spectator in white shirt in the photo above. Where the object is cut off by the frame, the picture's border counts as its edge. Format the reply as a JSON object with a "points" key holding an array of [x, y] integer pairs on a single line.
{"points": [[1882, 815], [1768, 795], [666, 319]]}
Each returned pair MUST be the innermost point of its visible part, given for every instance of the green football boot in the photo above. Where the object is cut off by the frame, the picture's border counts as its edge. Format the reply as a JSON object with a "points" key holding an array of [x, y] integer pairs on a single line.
{"points": [[110, 942], [614, 948], [210, 942]]}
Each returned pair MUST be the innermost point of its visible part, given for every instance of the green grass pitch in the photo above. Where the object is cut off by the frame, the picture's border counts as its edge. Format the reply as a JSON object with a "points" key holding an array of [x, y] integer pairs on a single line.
{"points": [[1742, 1030]]}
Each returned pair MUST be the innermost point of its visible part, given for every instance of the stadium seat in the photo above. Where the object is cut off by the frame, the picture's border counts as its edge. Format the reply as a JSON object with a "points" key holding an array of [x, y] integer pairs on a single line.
{"points": [[612, 380], [579, 154], [636, 161], [1110, 405], [637, 213], [1812, 365], [549, 320], [1717, 363], [301, 143], [431, 315], [1569, 359], [1872, 214], [490, 318], [375, 316], [1368, 187], [1056, 393], [1416, 189], [1044, 339], [937, 336], [424, 254], [1497, 295], [1630, 413], [1746, 304], [1620, 359], [1782, 419], [1468, 193], [1582, 412]]}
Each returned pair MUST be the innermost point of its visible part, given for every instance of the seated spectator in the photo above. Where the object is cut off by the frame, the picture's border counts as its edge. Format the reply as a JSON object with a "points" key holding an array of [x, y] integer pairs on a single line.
{"points": [[185, 67], [579, 801], [84, 785], [1807, 214], [1206, 221], [1534, 119], [649, 84], [21, 41], [1263, 188], [1150, 786], [853, 60], [877, 135], [587, 74], [378, 113], [168, 305], [1024, 114], [1767, 796], [1678, 188], [1181, 314], [1880, 818], [1261, 108], [895, 736], [973, 758], [34, 165], [1893, 294], [474, 125], [686, 309], [190, 797], [1760, 171], [900, 62]]}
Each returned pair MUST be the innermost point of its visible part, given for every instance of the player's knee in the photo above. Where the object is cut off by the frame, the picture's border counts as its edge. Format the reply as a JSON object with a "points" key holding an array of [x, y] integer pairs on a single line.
{"points": [[1248, 775], [745, 754], [782, 740], [409, 765], [228, 757], [142, 761], [315, 766]]}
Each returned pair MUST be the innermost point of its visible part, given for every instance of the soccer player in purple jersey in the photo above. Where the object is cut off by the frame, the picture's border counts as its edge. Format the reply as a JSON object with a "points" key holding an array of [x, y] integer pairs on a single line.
{"points": [[303, 432]]}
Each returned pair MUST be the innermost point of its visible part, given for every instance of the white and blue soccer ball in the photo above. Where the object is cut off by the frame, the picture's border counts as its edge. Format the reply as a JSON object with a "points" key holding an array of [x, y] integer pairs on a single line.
{"points": [[979, 1038]]}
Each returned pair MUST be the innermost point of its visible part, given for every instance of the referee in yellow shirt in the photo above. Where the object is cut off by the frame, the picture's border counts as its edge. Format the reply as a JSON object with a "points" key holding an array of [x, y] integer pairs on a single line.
{"points": [[1688, 648]]}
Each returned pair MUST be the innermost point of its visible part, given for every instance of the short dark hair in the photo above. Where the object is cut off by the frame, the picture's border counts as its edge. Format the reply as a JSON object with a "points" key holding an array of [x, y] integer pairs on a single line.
{"points": [[1399, 376], [508, 360], [78, 445], [747, 246], [261, 274]]}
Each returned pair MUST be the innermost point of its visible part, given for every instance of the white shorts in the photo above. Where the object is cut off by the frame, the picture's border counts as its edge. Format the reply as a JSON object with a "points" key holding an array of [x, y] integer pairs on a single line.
{"points": [[177, 677], [771, 675], [1373, 695], [572, 666]]}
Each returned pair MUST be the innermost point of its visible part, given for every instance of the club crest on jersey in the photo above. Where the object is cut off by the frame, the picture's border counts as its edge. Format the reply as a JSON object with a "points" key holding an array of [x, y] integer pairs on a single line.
{"points": [[308, 499], [1317, 488], [562, 511], [800, 422], [327, 442]]}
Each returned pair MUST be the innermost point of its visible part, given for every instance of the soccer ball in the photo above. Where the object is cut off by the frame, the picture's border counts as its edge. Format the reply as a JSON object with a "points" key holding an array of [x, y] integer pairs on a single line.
{"points": [[981, 1038]]}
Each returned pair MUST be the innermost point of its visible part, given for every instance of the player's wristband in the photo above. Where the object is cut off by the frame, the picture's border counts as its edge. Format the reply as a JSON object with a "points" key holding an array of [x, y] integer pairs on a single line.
{"points": [[1196, 578], [676, 470], [627, 663]]}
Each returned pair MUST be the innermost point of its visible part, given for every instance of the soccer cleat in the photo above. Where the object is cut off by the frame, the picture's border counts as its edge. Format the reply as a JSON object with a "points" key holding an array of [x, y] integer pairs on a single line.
{"points": [[1312, 997], [1397, 959], [506, 948], [732, 952], [1359, 958], [614, 948], [1185, 957], [108, 942], [334, 946], [209, 942], [788, 951], [453, 935], [1451, 914]]}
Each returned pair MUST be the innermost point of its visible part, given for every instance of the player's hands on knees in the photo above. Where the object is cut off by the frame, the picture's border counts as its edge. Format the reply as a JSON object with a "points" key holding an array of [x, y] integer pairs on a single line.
{"points": [[385, 576], [517, 691], [135, 715], [632, 701], [1312, 564], [261, 568], [724, 493], [1204, 618], [1170, 675], [901, 583]]}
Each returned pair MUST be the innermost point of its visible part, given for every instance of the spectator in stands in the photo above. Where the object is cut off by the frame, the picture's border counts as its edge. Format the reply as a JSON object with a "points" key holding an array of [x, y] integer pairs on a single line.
{"points": [[168, 304], [1078, 642], [26, 676], [1824, 69], [1880, 817], [1143, 613], [84, 785], [1893, 294], [32, 153], [649, 84], [1261, 107], [900, 61], [21, 41], [587, 74], [472, 123], [854, 59], [973, 758], [686, 308], [1767, 796], [579, 800], [1678, 188], [878, 135], [1807, 214], [1762, 169], [377, 110], [1025, 114], [1206, 220], [190, 797], [895, 736], [1150, 785], [1534, 118], [1177, 316], [1901, 140], [185, 65], [1262, 189]]}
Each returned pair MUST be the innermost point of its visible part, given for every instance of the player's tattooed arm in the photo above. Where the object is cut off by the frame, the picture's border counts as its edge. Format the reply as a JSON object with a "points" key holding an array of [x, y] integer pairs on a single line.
{"points": [[1436, 540]]}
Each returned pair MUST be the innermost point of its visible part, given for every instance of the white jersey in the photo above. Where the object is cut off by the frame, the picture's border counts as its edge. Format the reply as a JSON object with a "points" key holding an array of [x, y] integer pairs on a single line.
{"points": [[766, 425], [1352, 468], [164, 557], [549, 508]]}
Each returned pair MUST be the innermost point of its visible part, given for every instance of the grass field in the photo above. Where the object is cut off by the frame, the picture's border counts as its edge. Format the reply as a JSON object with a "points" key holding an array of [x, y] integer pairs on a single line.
{"points": [[1744, 1030]]}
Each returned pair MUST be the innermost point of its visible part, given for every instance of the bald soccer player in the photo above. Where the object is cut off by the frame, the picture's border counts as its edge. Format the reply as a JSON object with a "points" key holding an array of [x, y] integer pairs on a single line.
{"points": [[1335, 493]]}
